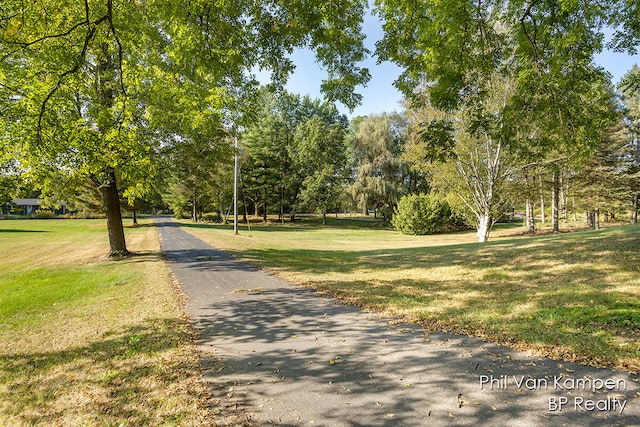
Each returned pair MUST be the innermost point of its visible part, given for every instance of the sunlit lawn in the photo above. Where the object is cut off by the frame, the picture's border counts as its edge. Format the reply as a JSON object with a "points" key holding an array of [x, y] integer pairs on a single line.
{"points": [[85, 340], [574, 296]]}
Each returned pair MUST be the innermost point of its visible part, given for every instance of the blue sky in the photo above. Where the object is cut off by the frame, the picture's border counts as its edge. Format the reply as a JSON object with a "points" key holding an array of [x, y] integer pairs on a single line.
{"points": [[380, 95]]}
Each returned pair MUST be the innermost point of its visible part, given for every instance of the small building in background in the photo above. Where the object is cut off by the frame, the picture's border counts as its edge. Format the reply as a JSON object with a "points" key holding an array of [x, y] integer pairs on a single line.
{"points": [[32, 205]]}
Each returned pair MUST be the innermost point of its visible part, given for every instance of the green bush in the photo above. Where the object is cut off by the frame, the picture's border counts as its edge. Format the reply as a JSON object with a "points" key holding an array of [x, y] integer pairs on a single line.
{"points": [[419, 214], [44, 215], [213, 217]]}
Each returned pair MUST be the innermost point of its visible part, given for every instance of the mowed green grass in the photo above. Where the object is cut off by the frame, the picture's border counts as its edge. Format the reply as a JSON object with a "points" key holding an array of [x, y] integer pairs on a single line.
{"points": [[86, 340], [571, 296]]}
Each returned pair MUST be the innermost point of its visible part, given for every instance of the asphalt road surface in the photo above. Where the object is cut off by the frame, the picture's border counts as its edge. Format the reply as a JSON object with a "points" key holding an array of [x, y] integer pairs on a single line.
{"points": [[277, 354]]}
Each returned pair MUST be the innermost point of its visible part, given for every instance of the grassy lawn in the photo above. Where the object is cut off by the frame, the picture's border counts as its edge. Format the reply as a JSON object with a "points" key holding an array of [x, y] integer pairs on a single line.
{"points": [[86, 340], [572, 296]]}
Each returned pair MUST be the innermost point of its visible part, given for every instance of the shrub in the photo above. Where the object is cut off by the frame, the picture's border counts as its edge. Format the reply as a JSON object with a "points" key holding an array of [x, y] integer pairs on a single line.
{"points": [[419, 214], [44, 215], [213, 217]]}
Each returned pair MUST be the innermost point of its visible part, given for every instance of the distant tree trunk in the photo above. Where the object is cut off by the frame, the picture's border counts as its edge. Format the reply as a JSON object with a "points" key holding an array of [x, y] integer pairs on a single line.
{"points": [[555, 201], [594, 219], [264, 211], [588, 218], [542, 213], [282, 204], [244, 202], [111, 203], [562, 197], [324, 218], [135, 216], [634, 212], [530, 218], [194, 212]]}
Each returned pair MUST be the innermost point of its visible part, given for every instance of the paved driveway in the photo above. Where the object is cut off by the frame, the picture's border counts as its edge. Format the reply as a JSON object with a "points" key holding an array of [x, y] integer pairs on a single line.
{"points": [[278, 354]]}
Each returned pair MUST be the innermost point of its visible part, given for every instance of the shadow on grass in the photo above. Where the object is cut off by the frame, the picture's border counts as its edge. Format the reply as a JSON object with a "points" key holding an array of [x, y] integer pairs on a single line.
{"points": [[557, 293], [122, 377], [14, 230], [615, 247]]}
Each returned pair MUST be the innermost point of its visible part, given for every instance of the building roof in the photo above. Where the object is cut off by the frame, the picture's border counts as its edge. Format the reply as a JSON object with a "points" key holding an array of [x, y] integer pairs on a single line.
{"points": [[36, 201], [28, 202]]}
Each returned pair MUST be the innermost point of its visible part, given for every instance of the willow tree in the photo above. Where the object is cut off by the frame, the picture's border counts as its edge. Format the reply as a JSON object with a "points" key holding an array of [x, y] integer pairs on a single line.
{"points": [[379, 172], [90, 89]]}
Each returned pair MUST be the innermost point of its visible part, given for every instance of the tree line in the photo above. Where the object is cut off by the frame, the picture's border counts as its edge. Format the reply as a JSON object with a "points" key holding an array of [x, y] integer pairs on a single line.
{"points": [[301, 156], [127, 99]]}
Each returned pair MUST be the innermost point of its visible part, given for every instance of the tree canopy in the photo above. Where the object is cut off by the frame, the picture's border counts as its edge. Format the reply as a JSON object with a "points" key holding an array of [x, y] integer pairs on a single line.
{"points": [[91, 89]]}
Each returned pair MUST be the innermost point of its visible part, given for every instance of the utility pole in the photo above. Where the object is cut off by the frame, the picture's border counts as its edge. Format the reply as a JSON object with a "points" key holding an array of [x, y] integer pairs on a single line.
{"points": [[235, 190]]}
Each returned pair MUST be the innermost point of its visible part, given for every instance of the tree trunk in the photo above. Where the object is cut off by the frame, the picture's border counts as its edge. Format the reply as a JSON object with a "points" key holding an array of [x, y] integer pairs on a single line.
{"points": [[542, 215], [194, 212], [244, 203], [597, 219], [324, 218], [108, 186], [135, 216], [483, 227], [111, 203], [282, 202], [563, 199], [634, 212], [555, 201], [530, 217], [264, 212]]}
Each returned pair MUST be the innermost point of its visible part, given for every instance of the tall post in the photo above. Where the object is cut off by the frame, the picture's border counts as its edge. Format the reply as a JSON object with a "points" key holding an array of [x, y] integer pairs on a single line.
{"points": [[235, 189]]}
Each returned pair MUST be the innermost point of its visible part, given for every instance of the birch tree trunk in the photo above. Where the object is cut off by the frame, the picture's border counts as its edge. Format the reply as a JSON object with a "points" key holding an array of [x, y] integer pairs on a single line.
{"points": [[483, 227]]}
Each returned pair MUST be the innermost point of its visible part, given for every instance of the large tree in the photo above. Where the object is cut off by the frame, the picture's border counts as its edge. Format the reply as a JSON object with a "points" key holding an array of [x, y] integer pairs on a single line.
{"points": [[321, 153], [452, 52], [84, 83], [380, 175], [273, 169], [452, 47], [630, 89], [478, 166]]}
